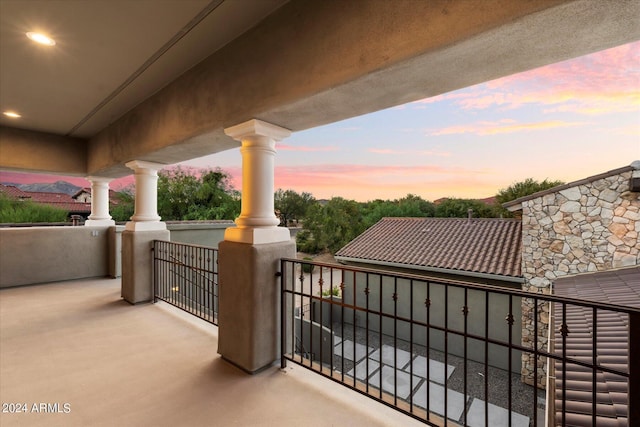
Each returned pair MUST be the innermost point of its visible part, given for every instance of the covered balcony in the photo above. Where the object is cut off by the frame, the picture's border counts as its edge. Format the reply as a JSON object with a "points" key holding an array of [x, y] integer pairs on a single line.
{"points": [[77, 343], [131, 87]]}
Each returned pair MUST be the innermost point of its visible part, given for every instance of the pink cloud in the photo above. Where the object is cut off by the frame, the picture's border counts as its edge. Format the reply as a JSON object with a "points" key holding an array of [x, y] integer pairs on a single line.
{"points": [[287, 147], [385, 151], [389, 151], [41, 178], [604, 82], [341, 174], [502, 126]]}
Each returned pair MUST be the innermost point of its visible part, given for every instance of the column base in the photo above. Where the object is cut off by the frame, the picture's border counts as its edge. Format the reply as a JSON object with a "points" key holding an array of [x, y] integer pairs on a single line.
{"points": [[257, 236], [99, 223], [249, 313], [137, 264]]}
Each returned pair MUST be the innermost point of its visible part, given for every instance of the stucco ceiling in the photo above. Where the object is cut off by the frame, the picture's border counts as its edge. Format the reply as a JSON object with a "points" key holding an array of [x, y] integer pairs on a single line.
{"points": [[109, 55], [160, 80]]}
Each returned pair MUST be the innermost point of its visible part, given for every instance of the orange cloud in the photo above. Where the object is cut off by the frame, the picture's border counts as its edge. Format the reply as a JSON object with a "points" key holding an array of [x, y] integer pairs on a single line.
{"points": [[367, 182]]}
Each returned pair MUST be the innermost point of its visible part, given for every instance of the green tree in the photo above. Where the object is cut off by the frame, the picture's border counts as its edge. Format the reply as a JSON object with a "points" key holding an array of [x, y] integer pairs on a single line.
{"points": [[122, 209], [177, 188], [291, 205], [408, 206], [524, 188], [186, 194], [521, 189], [215, 197], [330, 227], [22, 211], [459, 208]]}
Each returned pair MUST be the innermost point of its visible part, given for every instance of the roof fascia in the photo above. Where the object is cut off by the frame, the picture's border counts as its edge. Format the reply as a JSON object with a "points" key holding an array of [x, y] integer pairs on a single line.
{"points": [[433, 269]]}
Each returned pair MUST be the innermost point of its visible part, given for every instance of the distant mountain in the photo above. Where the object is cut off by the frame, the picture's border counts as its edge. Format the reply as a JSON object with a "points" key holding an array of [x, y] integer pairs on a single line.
{"points": [[56, 187]]}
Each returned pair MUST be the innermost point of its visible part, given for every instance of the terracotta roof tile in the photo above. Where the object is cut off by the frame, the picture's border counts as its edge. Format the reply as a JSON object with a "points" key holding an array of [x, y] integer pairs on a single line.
{"points": [[615, 287], [44, 197], [58, 200], [14, 192], [479, 245], [73, 207]]}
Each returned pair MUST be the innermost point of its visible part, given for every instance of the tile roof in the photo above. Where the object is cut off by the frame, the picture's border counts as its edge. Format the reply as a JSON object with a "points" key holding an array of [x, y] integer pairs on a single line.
{"points": [[46, 197], [58, 200], [620, 287], [477, 245], [513, 204], [72, 207], [13, 191]]}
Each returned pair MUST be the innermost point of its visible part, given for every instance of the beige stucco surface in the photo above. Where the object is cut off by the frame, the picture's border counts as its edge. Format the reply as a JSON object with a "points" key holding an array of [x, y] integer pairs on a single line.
{"points": [[203, 234], [121, 365], [45, 152], [33, 255], [137, 264], [317, 62], [249, 319]]}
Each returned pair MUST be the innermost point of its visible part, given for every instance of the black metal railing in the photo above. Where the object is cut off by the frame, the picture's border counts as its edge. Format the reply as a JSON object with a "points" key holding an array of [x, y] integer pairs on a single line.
{"points": [[186, 276], [441, 351]]}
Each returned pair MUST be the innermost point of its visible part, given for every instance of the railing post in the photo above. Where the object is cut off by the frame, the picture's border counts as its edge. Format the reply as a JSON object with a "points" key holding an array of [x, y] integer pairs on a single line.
{"points": [[634, 370], [283, 317], [154, 265]]}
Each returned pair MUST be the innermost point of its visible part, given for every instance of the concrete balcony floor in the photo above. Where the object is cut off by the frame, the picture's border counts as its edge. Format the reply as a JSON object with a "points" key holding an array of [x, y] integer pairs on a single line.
{"points": [[79, 343]]}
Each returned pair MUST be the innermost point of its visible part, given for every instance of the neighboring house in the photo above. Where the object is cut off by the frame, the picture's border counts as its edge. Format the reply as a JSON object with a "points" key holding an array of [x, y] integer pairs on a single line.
{"points": [[14, 192], [58, 200], [473, 250], [480, 250], [83, 195], [586, 226]]}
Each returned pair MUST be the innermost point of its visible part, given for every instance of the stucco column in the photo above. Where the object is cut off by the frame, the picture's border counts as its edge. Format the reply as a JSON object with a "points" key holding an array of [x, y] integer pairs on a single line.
{"points": [[257, 223], [249, 257], [99, 202], [139, 234], [145, 216]]}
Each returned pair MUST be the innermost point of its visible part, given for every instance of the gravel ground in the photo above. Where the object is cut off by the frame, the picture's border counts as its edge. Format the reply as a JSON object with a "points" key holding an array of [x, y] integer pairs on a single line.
{"points": [[498, 385]]}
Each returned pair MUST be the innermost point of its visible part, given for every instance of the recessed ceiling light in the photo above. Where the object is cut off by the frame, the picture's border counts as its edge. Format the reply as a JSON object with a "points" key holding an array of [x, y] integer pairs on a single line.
{"points": [[12, 114], [41, 38]]}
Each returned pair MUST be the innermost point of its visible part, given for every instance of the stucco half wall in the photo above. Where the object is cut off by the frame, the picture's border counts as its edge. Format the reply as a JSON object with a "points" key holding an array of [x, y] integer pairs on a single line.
{"points": [[34, 255]]}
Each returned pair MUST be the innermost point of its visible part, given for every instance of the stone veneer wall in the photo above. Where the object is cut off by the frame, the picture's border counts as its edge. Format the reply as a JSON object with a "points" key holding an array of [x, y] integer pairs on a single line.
{"points": [[592, 226]]}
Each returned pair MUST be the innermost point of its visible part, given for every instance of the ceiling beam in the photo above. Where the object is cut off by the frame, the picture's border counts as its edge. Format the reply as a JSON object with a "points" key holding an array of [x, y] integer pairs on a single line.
{"points": [[27, 151]]}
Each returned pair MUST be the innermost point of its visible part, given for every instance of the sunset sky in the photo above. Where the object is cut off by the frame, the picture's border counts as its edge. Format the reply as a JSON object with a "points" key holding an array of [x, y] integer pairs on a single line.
{"points": [[565, 121]]}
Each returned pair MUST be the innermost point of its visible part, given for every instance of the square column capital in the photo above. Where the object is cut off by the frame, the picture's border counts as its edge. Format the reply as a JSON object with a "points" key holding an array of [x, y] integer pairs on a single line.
{"points": [[138, 165], [100, 179], [255, 127]]}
